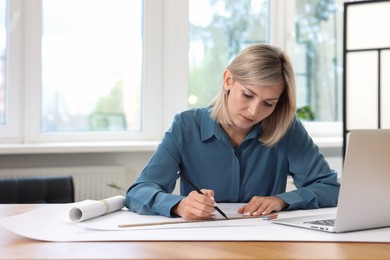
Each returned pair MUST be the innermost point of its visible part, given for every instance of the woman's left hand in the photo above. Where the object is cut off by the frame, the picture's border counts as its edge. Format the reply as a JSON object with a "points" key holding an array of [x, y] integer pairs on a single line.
{"points": [[262, 206]]}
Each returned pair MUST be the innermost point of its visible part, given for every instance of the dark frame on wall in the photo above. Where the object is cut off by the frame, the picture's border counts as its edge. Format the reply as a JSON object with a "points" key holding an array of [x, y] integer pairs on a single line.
{"points": [[368, 56]]}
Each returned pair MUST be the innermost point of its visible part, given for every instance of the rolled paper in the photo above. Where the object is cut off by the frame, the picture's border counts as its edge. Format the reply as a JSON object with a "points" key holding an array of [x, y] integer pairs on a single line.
{"points": [[95, 208]]}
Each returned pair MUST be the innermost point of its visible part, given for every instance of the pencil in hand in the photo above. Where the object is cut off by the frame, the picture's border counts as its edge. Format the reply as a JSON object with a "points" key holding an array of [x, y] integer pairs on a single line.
{"points": [[200, 192]]}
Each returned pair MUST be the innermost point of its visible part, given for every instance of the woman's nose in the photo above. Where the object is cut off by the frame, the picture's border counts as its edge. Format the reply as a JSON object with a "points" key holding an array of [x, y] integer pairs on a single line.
{"points": [[253, 108]]}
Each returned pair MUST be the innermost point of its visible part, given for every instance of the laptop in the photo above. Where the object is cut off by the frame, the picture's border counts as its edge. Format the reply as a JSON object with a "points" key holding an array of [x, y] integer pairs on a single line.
{"points": [[364, 198]]}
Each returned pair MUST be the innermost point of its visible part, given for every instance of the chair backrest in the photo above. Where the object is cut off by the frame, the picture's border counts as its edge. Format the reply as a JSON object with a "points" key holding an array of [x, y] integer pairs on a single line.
{"points": [[37, 190]]}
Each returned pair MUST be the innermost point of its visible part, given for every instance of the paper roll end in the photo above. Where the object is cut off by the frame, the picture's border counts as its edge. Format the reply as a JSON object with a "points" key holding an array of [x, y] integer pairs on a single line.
{"points": [[75, 214]]}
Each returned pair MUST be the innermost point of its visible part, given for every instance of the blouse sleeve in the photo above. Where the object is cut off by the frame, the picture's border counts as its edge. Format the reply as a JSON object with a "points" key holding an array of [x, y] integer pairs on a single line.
{"points": [[316, 183], [151, 192]]}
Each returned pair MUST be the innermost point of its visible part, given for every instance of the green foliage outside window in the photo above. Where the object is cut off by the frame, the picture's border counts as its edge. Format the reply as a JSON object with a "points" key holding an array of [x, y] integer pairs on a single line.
{"points": [[237, 24], [234, 24], [305, 113]]}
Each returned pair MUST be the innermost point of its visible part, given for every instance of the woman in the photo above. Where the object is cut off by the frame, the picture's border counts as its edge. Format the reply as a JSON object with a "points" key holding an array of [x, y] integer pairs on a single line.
{"points": [[240, 149]]}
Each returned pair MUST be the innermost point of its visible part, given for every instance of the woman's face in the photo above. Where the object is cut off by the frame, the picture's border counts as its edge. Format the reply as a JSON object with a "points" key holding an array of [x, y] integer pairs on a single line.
{"points": [[248, 105]]}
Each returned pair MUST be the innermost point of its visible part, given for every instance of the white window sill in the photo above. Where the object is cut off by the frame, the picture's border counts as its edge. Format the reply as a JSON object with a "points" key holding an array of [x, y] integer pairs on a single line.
{"points": [[112, 147], [79, 147], [328, 142]]}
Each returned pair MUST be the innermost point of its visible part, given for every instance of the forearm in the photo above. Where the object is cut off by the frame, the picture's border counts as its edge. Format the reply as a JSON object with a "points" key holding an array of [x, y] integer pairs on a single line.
{"points": [[149, 199], [310, 197]]}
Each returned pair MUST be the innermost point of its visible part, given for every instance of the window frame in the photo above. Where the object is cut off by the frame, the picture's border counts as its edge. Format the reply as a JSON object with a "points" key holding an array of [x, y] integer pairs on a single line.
{"points": [[283, 35], [165, 79], [10, 132], [160, 96]]}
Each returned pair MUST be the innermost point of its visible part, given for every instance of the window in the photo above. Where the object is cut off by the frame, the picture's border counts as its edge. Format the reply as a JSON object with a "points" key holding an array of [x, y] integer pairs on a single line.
{"points": [[106, 70], [218, 31], [81, 70], [318, 57], [91, 68], [309, 30]]}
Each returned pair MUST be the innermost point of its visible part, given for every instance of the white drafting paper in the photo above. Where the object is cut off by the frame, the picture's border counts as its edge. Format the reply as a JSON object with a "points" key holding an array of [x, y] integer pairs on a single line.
{"points": [[52, 223], [94, 208], [111, 221]]}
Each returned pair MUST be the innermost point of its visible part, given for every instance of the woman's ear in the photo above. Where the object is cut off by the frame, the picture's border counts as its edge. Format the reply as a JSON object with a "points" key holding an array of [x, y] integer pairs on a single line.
{"points": [[227, 80]]}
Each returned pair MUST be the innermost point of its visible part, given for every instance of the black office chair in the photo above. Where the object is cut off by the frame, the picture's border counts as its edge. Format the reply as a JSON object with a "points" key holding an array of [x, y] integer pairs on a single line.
{"points": [[37, 190]]}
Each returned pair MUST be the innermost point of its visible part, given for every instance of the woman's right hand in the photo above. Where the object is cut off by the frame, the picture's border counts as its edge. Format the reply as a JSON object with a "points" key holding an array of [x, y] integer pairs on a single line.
{"points": [[196, 206]]}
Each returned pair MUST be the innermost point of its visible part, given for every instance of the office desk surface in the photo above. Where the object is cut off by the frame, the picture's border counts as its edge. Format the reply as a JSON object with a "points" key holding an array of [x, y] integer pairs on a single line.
{"points": [[13, 246]]}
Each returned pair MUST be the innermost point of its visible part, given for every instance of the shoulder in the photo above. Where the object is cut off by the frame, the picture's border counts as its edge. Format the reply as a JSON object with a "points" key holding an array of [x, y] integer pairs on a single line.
{"points": [[297, 125], [191, 124], [195, 112], [190, 120], [297, 132], [298, 139], [192, 116]]}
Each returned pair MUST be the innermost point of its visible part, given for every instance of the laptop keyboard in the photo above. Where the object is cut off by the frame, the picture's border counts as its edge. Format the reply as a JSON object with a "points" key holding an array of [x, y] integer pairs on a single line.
{"points": [[324, 222]]}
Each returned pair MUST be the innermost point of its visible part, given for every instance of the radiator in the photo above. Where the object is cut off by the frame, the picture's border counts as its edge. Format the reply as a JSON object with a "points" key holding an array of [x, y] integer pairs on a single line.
{"points": [[90, 182]]}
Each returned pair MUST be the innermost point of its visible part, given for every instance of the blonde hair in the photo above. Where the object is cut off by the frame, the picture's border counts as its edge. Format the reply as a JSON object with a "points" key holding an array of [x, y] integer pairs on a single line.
{"points": [[262, 64]]}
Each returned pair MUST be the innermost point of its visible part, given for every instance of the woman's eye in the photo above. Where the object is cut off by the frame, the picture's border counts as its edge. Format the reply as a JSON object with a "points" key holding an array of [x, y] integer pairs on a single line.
{"points": [[268, 104], [247, 95]]}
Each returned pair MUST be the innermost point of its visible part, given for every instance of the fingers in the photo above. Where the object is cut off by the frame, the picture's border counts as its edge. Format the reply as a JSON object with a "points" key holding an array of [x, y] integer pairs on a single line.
{"points": [[197, 206], [208, 193], [262, 206]]}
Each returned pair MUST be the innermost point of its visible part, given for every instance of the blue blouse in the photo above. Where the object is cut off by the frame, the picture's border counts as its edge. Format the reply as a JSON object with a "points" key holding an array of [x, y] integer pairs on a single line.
{"points": [[197, 146]]}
